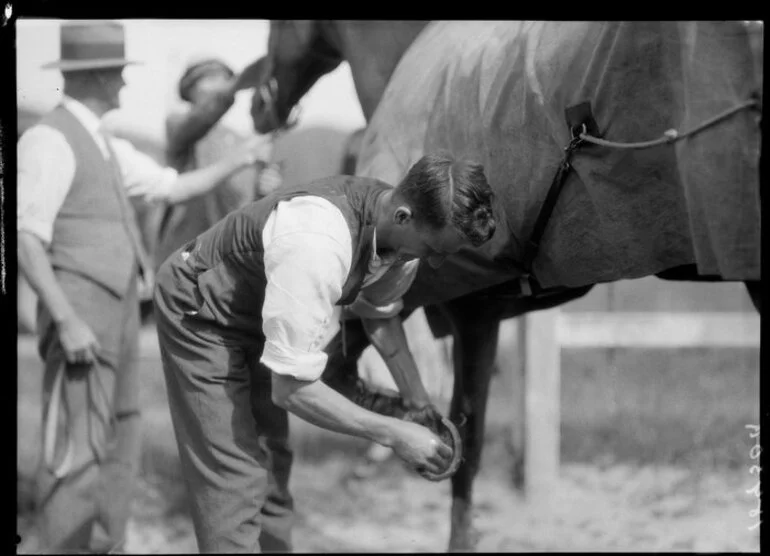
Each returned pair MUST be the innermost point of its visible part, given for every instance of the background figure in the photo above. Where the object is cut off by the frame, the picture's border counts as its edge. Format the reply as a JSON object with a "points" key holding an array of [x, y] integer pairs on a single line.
{"points": [[80, 248], [196, 136]]}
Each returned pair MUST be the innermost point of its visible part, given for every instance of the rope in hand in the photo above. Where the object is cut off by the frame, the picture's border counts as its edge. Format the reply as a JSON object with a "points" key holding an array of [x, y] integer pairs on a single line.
{"points": [[671, 135], [99, 409]]}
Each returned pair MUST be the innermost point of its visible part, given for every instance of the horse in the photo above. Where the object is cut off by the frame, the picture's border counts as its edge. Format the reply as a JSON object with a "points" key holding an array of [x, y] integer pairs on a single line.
{"points": [[416, 80]]}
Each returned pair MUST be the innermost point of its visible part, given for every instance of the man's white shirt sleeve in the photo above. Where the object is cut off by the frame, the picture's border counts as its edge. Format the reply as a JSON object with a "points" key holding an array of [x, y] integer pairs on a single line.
{"points": [[307, 255], [142, 176], [46, 167]]}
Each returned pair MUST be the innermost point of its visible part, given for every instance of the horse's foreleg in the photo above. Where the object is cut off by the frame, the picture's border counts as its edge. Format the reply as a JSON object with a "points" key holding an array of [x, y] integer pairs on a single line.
{"points": [[475, 346]]}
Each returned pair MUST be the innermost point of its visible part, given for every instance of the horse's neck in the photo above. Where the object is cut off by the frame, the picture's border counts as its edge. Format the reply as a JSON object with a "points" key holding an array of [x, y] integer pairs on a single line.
{"points": [[373, 49]]}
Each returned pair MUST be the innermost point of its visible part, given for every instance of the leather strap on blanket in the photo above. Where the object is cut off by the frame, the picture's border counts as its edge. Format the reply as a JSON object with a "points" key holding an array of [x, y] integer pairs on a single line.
{"points": [[583, 129], [579, 118]]}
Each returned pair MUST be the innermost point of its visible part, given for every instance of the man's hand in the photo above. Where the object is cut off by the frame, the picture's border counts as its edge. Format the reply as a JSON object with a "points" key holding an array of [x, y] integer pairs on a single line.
{"points": [[270, 179], [420, 448], [146, 283], [78, 340]]}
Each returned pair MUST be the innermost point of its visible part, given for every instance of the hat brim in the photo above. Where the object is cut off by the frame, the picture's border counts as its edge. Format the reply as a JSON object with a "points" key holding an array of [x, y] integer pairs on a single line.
{"points": [[82, 65]]}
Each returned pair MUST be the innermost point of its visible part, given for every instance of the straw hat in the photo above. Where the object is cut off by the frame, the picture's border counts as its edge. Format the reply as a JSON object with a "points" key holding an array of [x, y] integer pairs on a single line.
{"points": [[87, 45]]}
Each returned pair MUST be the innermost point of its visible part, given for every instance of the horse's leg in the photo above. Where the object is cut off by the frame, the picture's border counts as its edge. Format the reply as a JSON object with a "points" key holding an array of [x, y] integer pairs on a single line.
{"points": [[475, 346], [754, 287]]}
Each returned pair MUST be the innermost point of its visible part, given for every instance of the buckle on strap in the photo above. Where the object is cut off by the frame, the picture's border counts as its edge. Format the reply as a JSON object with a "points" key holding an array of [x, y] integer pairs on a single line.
{"points": [[579, 121], [188, 250]]}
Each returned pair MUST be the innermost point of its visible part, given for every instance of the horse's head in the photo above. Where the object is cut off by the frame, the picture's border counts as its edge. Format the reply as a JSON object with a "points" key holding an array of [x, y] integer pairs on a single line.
{"points": [[299, 53]]}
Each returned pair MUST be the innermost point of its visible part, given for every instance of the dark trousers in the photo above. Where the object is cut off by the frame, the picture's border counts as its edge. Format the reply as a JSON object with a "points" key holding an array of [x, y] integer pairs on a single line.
{"points": [[232, 439], [88, 509]]}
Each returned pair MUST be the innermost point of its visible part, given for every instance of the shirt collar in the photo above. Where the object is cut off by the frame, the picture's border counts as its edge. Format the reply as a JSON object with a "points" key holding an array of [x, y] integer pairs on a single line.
{"points": [[375, 257], [377, 261], [85, 115]]}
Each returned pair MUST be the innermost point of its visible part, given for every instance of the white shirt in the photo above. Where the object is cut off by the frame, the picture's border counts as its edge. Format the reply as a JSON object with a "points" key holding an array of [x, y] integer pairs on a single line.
{"points": [[46, 167], [307, 254]]}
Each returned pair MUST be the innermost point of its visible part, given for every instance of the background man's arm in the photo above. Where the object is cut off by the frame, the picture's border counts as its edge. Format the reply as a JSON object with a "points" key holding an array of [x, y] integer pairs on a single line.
{"points": [[145, 178], [34, 264], [46, 168]]}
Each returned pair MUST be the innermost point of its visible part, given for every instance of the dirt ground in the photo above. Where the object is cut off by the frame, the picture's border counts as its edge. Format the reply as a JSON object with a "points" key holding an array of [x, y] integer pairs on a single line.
{"points": [[618, 508], [599, 506]]}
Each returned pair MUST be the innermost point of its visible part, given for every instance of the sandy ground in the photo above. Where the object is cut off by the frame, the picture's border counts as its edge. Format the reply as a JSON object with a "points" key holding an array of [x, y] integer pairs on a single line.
{"points": [[608, 507], [617, 508]]}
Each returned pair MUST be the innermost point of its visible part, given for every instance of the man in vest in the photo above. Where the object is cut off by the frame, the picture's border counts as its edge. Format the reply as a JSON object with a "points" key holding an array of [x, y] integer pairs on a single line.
{"points": [[80, 250], [197, 137], [244, 313]]}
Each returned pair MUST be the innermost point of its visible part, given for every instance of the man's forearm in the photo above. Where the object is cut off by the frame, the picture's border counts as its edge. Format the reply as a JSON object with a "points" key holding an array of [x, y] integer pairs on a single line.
{"points": [[34, 264], [388, 338], [322, 406], [198, 182]]}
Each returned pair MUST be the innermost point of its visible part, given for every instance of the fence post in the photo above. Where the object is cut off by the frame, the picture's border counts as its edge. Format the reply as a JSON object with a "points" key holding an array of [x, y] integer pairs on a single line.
{"points": [[540, 354]]}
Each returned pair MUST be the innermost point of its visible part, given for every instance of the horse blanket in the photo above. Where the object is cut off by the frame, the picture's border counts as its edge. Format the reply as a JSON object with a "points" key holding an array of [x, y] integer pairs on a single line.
{"points": [[497, 92]]}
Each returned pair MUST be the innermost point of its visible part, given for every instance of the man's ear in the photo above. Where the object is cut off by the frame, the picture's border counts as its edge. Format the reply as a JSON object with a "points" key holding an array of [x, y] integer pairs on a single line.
{"points": [[402, 215]]}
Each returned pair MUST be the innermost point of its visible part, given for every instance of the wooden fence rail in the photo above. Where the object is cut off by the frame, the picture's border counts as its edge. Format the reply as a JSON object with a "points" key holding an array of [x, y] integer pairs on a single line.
{"points": [[542, 334]]}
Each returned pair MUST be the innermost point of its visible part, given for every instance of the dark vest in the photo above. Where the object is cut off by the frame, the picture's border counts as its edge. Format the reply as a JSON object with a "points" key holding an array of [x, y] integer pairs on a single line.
{"points": [[223, 280], [95, 230]]}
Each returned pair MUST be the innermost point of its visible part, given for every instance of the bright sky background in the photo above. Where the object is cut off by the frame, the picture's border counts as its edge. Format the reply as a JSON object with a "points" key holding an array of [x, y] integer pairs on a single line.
{"points": [[164, 46]]}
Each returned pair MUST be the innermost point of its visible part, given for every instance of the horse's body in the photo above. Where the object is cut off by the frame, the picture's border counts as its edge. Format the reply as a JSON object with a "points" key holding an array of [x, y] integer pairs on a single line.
{"points": [[498, 91], [448, 90]]}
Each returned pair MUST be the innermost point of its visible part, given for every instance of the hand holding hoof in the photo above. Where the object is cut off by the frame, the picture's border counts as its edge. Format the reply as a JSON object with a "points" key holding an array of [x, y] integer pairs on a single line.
{"points": [[430, 417]]}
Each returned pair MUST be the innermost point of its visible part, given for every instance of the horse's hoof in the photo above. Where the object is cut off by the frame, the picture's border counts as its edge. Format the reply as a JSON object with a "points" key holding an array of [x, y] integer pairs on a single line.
{"points": [[447, 431], [461, 546], [466, 542]]}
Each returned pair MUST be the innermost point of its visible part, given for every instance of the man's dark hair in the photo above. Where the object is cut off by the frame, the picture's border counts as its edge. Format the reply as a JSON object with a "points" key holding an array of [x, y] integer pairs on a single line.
{"points": [[442, 190]]}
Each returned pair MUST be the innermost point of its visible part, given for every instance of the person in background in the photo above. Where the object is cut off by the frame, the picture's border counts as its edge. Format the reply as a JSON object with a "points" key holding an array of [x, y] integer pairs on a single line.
{"points": [[196, 136], [80, 249]]}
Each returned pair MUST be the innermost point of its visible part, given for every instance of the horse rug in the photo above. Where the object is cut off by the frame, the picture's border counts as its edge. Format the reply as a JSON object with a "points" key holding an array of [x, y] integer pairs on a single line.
{"points": [[497, 92]]}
